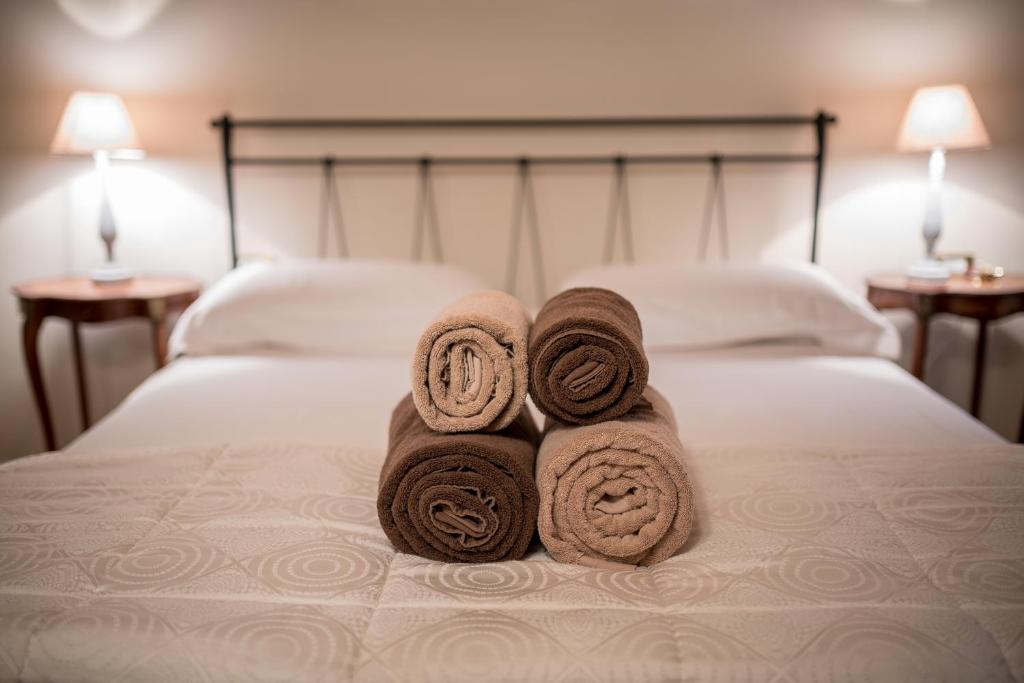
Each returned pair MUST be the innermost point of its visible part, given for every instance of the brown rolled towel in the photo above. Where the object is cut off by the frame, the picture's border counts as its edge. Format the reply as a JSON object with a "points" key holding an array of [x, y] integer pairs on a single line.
{"points": [[615, 493], [458, 497], [587, 361], [469, 369]]}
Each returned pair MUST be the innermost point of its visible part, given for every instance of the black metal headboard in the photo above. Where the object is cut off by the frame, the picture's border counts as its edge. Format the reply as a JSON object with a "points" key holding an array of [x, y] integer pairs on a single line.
{"points": [[819, 122]]}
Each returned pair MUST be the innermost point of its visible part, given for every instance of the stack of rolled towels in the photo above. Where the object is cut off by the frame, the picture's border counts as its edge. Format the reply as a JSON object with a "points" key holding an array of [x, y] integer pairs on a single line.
{"points": [[468, 476]]}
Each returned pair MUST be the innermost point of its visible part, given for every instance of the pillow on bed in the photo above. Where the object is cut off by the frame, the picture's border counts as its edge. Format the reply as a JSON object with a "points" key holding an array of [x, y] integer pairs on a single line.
{"points": [[334, 307], [707, 306]]}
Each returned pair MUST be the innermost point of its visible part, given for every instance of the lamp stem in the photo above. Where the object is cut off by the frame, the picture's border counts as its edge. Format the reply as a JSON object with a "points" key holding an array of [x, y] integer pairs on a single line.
{"points": [[108, 230], [933, 209]]}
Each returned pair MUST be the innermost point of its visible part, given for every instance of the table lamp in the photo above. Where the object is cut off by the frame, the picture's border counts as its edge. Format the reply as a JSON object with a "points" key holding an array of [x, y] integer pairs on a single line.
{"points": [[98, 124], [939, 118]]}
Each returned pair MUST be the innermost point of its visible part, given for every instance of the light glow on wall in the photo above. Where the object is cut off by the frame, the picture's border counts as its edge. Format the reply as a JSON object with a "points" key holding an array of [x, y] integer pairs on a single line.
{"points": [[112, 18]]}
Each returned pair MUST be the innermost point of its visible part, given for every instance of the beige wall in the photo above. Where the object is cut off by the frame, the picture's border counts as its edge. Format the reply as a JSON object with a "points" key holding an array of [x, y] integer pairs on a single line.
{"points": [[858, 58]]}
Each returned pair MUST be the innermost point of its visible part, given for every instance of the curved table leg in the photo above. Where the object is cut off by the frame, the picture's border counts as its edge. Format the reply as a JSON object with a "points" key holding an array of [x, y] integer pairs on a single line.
{"points": [[920, 345], [83, 391], [979, 367], [157, 311], [29, 339], [1020, 434]]}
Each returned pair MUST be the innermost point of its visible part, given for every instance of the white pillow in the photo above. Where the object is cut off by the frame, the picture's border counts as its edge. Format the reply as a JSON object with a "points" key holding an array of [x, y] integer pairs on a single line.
{"points": [[374, 308], [708, 306]]}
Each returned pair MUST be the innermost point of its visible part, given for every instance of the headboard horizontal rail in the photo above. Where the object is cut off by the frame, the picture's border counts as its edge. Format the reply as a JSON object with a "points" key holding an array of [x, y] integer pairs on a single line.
{"points": [[582, 160], [554, 122]]}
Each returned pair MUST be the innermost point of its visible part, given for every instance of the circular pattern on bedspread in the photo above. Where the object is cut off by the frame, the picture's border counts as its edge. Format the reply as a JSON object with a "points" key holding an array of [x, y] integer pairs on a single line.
{"points": [[793, 512], [985, 579], [494, 581], [157, 562], [341, 509], [287, 644], [938, 511], [219, 502], [475, 646], [864, 648], [21, 553], [320, 568], [76, 638], [828, 575]]}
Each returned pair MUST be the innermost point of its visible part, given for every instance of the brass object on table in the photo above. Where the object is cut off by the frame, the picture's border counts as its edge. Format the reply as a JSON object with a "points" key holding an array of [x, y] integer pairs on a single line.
{"points": [[986, 273]]}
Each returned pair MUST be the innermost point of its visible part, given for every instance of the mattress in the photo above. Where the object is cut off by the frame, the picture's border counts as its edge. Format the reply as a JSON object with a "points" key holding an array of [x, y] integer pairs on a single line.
{"points": [[885, 546]]}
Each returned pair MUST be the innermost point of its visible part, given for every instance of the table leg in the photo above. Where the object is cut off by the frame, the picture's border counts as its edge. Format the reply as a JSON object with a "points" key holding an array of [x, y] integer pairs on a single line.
{"points": [[979, 367], [29, 341], [83, 390], [1020, 433], [920, 346], [159, 329]]}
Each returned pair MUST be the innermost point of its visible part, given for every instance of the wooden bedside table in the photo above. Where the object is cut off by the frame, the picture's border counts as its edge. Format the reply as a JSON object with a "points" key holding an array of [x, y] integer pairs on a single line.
{"points": [[960, 295], [80, 300]]}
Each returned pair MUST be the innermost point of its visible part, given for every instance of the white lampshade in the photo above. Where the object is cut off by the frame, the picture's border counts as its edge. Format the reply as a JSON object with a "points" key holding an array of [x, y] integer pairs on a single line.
{"points": [[942, 117], [94, 122]]}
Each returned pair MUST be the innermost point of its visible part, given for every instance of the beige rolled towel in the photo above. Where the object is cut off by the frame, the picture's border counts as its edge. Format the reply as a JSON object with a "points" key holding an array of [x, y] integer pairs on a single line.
{"points": [[615, 493], [469, 371]]}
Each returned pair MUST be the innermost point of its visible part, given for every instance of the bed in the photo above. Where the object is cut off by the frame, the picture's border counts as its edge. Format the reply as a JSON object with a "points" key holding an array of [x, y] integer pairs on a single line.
{"points": [[220, 524]]}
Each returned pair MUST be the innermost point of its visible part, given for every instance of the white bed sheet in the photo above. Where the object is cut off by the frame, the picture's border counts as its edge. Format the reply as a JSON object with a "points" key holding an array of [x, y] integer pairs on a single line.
{"points": [[764, 394]]}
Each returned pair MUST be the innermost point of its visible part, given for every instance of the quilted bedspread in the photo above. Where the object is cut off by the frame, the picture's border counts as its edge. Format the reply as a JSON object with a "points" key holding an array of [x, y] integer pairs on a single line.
{"points": [[266, 562]]}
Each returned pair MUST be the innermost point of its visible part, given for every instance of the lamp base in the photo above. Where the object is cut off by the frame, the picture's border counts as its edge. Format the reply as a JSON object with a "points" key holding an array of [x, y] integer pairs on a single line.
{"points": [[110, 273], [929, 269]]}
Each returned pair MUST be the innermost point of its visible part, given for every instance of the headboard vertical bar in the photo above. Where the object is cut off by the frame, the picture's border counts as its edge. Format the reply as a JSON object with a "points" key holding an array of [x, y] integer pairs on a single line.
{"points": [[534, 225], [820, 127], [325, 207], [627, 214], [516, 230], [227, 129]]}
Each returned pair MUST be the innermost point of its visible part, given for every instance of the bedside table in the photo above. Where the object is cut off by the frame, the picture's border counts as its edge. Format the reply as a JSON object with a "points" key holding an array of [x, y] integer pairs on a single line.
{"points": [[960, 295], [80, 300]]}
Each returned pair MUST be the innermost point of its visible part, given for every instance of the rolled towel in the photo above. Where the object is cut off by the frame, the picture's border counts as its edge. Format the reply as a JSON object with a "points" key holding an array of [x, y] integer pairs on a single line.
{"points": [[469, 369], [615, 493], [587, 361], [458, 497]]}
